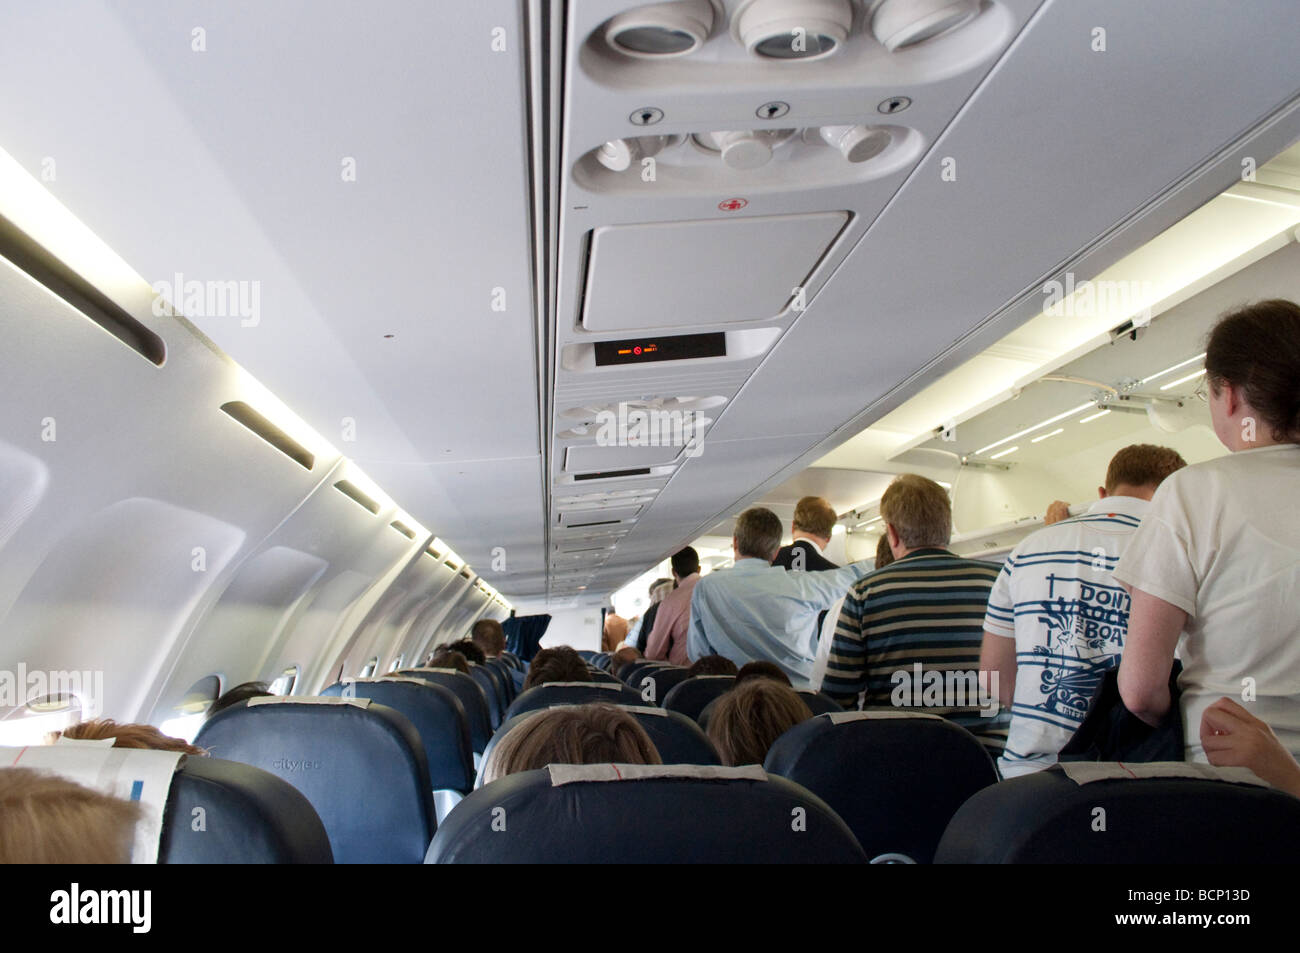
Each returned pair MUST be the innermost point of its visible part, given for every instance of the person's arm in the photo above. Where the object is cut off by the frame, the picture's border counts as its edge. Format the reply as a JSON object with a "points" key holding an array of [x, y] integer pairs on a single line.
{"points": [[1153, 630], [697, 643], [998, 658], [1057, 511], [826, 587], [1234, 738]]}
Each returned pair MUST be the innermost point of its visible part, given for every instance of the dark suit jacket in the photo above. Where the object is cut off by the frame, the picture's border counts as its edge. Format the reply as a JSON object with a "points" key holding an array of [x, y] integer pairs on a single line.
{"points": [[813, 561]]}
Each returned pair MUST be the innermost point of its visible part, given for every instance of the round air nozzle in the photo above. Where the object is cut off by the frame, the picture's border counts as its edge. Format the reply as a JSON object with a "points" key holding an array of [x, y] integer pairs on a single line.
{"points": [[743, 148], [792, 29], [661, 30], [617, 155], [856, 143], [899, 24]]}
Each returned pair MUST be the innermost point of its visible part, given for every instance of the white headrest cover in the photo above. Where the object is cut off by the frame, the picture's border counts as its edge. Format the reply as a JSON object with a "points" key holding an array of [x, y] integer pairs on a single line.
{"points": [[308, 700], [840, 717], [1085, 772], [569, 773], [132, 774]]}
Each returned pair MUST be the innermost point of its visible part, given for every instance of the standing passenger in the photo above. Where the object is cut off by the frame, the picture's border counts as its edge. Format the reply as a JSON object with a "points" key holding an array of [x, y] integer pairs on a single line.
{"points": [[1214, 569], [668, 636]]}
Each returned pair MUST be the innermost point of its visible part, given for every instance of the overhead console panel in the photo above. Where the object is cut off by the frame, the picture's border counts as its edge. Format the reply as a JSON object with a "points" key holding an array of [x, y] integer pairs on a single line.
{"points": [[689, 274]]}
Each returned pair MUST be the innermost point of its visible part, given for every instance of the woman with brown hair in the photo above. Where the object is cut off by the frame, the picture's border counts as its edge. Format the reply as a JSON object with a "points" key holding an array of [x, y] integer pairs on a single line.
{"points": [[581, 734], [126, 736], [1214, 568], [47, 819], [746, 720]]}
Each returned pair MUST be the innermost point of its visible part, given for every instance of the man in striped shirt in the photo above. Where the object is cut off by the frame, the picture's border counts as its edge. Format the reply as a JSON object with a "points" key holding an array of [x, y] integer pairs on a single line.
{"points": [[909, 634], [1057, 618]]}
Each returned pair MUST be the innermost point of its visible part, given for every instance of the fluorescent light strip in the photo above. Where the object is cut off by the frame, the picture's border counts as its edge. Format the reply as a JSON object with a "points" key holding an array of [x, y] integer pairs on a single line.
{"points": [[1183, 380], [1046, 435], [1004, 453], [1167, 370], [1102, 413], [1038, 426]]}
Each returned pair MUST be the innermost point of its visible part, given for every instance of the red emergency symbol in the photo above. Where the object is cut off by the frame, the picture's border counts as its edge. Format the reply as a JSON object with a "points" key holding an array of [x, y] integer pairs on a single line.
{"points": [[731, 205]]}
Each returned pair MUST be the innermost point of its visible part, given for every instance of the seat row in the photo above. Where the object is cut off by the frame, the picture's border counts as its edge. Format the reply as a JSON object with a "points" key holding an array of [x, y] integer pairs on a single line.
{"points": [[882, 786]]}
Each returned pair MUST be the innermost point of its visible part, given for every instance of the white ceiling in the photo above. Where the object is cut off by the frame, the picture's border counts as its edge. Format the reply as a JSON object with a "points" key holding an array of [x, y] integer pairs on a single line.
{"points": [[226, 165]]}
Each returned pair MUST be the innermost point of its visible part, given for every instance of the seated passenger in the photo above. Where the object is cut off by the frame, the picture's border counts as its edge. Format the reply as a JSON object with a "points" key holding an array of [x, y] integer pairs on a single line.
{"points": [[761, 670], [909, 634], [490, 638], [448, 658], [1214, 569], [1234, 738], [47, 819], [712, 665], [467, 648], [746, 720], [670, 633], [755, 610], [124, 736], [1056, 617], [561, 664], [624, 656], [586, 734], [240, 693]]}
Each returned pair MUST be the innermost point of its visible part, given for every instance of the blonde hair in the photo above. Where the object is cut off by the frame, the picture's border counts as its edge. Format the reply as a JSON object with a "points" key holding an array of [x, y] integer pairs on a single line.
{"points": [[919, 511], [125, 736], [47, 819], [583, 734], [814, 515], [746, 720]]}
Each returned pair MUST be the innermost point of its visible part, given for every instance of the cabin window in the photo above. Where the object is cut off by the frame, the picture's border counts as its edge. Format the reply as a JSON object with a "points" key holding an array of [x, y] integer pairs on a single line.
{"points": [[369, 668], [286, 682], [191, 711], [397, 663], [27, 724]]}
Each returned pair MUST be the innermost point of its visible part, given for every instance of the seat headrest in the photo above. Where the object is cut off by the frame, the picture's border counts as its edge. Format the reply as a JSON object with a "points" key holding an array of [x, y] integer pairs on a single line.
{"points": [[690, 696], [1046, 817], [1087, 772], [437, 715], [572, 693], [896, 781], [362, 767], [675, 815]]}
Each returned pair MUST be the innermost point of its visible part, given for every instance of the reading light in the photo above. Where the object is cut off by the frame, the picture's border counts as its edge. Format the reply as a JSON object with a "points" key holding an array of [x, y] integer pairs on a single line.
{"points": [[618, 155], [792, 29], [661, 30], [743, 149], [899, 24], [856, 143]]}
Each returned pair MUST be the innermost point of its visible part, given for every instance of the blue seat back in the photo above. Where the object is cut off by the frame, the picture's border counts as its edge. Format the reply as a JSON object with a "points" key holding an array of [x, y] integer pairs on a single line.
{"points": [[600, 675], [471, 696], [438, 717], [684, 815], [1047, 818], [896, 781], [820, 704], [690, 696], [223, 812], [629, 671], [362, 768], [654, 684], [571, 693], [493, 693], [508, 685]]}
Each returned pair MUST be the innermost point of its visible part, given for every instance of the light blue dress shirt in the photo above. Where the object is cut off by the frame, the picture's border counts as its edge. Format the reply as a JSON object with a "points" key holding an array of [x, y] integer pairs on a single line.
{"points": [[755, 610]]}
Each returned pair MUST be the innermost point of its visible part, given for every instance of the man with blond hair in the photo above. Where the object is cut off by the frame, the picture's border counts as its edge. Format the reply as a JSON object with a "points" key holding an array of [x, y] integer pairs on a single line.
{"points": [[1057, 618], [909, 634]]}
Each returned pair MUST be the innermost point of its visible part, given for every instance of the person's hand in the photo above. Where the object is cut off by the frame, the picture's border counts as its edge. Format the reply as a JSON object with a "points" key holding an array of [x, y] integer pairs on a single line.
{"points": [[1058, 511], [1234, 738]]}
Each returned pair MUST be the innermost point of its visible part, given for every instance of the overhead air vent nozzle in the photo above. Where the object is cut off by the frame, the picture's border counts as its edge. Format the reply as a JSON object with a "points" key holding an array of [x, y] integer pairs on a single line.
{"points": [[899, 24], [792, 29], [661, 30]]}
